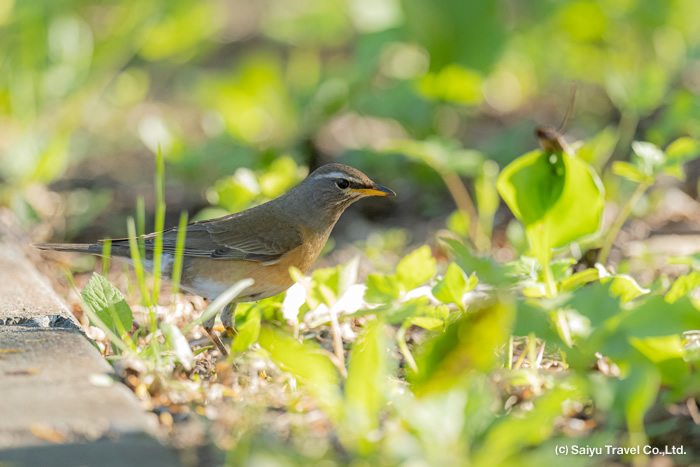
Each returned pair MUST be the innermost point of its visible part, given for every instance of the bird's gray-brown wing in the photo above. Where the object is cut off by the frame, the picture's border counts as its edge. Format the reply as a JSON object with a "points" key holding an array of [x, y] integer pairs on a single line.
{"points": [[253, 235]]}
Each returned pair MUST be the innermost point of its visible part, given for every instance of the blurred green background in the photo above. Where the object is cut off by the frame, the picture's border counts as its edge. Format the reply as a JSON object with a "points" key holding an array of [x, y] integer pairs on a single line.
{"points": [[244, 97]]}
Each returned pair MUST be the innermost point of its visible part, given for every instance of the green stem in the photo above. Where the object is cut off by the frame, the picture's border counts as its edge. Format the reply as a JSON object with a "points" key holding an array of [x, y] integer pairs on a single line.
{"points": [[403, 347], [549, 279], [627, 127], [620, 221], [464, 203]]}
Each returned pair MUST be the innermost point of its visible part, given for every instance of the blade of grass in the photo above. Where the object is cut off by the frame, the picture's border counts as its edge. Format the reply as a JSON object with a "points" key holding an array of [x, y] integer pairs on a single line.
{"points": [[179, 253], [136, 258], [141, 224], [106, 252], [159, 224]]}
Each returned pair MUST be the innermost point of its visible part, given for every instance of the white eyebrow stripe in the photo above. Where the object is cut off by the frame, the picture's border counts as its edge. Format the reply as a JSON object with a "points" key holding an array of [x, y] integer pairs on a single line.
{"points": [[340, 175]]}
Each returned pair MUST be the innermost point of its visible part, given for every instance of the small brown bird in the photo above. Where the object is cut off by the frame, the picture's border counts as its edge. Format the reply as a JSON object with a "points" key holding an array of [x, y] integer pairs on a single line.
{"points": [[261, 243]]}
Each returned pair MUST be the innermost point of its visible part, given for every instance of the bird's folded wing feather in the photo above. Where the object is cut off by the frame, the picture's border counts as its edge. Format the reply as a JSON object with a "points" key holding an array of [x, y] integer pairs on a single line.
{"points": [[235, 237]]}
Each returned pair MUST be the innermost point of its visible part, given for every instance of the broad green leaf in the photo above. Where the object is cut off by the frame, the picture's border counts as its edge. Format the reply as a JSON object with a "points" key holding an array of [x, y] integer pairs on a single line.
{"points": [[510, 435], [636, 393], [543, 190], [530, 318], [667, 354], [365, 387], [178, 344], [656, 318], [307, 363], [105, 300], [248, 330], [658, 349], [469, 344], [595, 303], [416, 268], [382, 288]]}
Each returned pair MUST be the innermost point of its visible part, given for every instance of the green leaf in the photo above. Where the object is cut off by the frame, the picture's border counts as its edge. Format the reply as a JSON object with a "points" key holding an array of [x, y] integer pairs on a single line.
{"points": [[625, 287], [248, 330], [452, 287], [382, 288], [509, 436], [178, 344], [629, 171], [683, 286], [416, 268], [531, 318], [324, 285], [656, 317], [105, 300], [667, 354], [595, 303], [434, 317], [395, 313], [578, 279], [308, 363], [468, 344], [365, 387], [682, 150], [458, 222], [428, 322], [543, 190], [561, 268], [637, 392], [658, 349], [488, 271]]}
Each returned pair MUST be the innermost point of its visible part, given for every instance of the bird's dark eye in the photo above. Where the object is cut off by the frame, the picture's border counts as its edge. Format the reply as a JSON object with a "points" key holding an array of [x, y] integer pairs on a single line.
{"points": [[342, 183]]}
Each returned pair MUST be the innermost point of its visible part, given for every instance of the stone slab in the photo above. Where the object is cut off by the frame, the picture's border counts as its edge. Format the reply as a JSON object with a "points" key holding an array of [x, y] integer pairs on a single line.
{"points": [[60, 403]]}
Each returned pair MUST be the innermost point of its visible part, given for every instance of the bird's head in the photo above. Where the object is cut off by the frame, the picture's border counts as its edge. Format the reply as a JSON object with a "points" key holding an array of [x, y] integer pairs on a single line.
{"points": [[331, 188]]}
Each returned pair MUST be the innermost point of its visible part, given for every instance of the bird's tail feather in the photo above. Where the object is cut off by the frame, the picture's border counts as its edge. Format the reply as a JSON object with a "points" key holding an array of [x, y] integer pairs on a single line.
{"points": [[76, 247], [119, 248]]}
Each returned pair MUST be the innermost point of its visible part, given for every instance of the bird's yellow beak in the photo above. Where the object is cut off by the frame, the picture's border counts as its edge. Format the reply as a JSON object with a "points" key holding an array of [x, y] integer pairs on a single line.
{"points": [[375, 190]]}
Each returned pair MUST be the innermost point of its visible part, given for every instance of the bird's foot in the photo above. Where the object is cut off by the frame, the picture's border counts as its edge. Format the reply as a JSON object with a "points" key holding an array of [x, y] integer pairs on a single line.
{"points": [[217, 341], [228, 319]]}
